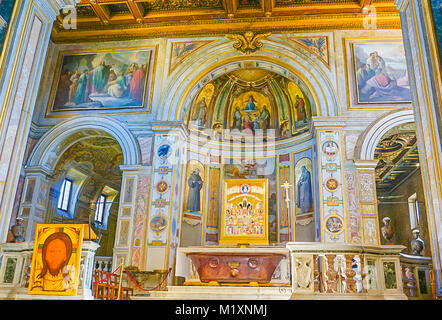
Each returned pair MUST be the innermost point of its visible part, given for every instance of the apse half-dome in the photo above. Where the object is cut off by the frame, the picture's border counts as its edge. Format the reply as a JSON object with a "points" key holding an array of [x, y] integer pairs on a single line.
{"points": [[251, 102]]}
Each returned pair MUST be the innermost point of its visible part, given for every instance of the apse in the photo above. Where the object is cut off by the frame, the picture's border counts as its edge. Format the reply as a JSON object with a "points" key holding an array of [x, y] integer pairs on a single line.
{"points": [[246, 103]]}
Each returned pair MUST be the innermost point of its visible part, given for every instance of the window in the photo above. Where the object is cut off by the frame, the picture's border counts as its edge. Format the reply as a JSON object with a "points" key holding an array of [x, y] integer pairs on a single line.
{"points": [[65, 195], [99, 208], [413, 208]]}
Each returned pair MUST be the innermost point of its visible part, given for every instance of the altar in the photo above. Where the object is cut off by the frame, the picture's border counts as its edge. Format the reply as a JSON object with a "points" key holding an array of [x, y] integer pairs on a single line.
{"points": [[238, 266]]}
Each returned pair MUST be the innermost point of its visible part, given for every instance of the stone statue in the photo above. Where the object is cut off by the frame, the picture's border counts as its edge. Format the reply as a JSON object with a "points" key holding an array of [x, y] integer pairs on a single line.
{"points": [[387, 230], [417, 244], [17, 230]]}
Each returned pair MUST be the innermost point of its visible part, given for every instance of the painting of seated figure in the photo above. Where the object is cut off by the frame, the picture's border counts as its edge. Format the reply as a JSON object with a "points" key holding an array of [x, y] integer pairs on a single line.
{"points": [[380, 73], [103, 80]]}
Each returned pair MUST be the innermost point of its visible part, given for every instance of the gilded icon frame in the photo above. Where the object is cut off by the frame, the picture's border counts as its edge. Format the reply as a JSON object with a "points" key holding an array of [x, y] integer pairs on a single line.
{"points": [[262, 239]]}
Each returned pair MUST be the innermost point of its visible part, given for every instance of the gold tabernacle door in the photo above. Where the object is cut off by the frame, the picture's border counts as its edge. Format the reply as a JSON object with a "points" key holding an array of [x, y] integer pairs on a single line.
{"points": [[244, 218]]}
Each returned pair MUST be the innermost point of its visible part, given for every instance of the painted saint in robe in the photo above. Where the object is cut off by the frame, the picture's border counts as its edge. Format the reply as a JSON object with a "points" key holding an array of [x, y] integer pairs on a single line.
{"points": [[82, 91], [117, 87], [304, 198], [201, 112], [100, 77], [195, 184], [265, 118], [300, 108], [137, 84], [237, 119], [250, 104]]}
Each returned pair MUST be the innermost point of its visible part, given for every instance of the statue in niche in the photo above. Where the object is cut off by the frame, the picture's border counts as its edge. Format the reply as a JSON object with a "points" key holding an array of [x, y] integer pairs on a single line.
{"points": [[304, 198], [194, 197]]}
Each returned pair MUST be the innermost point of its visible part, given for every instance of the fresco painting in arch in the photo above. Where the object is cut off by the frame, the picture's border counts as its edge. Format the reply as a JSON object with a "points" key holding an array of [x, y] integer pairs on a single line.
{"points": [[181, 50], [380, 72], [103, 80]]}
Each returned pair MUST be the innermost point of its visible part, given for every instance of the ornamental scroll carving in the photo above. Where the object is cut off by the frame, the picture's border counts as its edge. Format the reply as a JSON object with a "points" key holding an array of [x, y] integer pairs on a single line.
{"points": [[366, 190], [304, 272], [248, 42]]}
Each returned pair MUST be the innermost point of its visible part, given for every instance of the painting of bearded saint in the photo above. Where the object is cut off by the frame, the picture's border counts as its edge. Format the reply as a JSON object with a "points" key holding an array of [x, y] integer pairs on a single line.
{"points": [[304, 198], [102, 80], [56, 260], [195, 184], [381, 73]]}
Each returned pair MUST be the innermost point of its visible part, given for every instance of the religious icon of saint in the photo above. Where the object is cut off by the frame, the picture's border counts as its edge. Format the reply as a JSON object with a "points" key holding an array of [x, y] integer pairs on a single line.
{"points": [[251, 106], [265, 118], [194, 197], [56, 274], [300, 109], [304, 198]]}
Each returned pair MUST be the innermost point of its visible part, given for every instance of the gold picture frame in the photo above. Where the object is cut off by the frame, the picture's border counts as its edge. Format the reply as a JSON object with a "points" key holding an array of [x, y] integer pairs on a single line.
{"points": [[55, 268], [244, 218]]}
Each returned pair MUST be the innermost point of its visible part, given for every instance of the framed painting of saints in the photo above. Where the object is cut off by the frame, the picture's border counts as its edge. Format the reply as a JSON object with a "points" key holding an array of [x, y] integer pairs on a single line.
{"points": [[102, 81], [55, 267], [245, 212], [379, 72]]}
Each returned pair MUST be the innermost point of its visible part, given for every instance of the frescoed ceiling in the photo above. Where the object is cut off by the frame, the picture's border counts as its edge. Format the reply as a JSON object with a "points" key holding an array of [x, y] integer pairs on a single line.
{"points": [[120, 19], [99, 156], [398, 157]]}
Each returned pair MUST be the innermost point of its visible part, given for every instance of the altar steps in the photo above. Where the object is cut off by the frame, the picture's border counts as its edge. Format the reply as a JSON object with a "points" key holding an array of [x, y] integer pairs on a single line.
{"points": [[217, 293]]}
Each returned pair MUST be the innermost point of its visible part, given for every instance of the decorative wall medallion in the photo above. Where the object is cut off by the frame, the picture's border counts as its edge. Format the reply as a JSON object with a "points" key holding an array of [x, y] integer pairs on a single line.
{"points": [[164, 151], [330, 148], [162, 186], [160, 203], [330, 167], [332, 184], [334, 224], [163, 170], [158, 223], [245, 189], [333, 201]]}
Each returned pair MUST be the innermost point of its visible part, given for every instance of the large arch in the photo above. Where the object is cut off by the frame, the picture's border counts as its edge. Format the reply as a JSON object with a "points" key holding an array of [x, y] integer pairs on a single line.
{"points": [[367, 142], [44, 153], [219, 58]]}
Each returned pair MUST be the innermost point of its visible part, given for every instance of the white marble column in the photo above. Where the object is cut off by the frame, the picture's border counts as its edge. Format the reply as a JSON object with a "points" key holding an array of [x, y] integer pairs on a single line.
{"points": [[34, 201], [332, 202], [20, 75], [425, 80]]}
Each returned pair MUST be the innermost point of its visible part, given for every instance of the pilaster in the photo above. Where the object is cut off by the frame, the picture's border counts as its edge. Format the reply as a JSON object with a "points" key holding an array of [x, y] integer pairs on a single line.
{"points": [[425, 79], [332, 203], [366, 184], [21, 66]]}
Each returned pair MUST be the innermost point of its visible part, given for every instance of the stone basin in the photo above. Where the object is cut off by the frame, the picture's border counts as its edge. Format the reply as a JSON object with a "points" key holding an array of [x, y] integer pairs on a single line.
{"points": [[235, 267]]}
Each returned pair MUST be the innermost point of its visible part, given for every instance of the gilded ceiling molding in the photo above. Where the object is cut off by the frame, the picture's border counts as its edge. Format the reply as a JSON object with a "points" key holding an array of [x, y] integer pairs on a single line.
{"points": [[249, 42]]}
